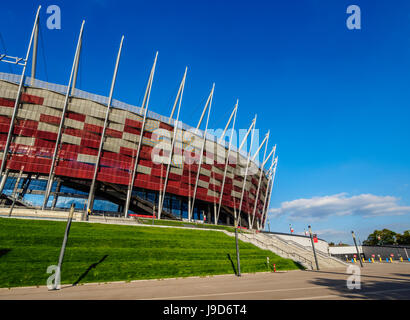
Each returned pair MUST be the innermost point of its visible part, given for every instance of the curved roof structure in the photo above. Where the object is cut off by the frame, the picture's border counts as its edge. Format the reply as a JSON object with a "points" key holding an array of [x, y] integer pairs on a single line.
{"points": [[81, 145]]}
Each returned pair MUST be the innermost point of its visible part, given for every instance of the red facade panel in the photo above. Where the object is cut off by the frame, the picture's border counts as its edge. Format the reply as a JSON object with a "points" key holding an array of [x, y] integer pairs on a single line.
{"points": [[114, 167]]}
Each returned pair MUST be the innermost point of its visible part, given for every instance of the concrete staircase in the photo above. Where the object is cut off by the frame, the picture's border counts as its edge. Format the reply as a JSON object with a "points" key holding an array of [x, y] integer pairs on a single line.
{"points": [[291, 250]]}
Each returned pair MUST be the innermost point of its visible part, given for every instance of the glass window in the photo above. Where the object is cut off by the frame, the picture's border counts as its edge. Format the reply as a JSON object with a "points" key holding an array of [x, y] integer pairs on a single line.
{"points": [[184, 210]]}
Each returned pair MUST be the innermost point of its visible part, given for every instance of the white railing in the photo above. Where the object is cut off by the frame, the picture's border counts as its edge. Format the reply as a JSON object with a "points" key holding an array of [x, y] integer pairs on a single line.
{"points": [[285, 254]]}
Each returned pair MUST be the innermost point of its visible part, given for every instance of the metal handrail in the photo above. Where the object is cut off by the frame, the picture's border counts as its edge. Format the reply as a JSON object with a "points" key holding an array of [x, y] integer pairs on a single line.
{"points": [[301, 246], [293, 252], [301, 258], [320, 253]]}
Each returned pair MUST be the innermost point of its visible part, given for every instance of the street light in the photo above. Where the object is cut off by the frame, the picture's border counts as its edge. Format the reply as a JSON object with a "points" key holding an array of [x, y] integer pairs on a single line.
{"points": [[357, 249], [313, 247], [237, 250]]}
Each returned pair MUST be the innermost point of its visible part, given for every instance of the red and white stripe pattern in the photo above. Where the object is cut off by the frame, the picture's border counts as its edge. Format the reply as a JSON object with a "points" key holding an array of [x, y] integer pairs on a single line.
{"points": [[36, 130]]}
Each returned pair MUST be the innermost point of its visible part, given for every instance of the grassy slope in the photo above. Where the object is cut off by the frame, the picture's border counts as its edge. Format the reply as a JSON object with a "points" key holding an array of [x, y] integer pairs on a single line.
{"points": [[28, 247]]}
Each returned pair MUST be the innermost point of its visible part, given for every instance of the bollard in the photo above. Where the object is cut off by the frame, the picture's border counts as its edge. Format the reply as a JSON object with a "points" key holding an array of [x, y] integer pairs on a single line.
{"points": [[391, 260], [401, 259], [380, 259], [274, 267]]}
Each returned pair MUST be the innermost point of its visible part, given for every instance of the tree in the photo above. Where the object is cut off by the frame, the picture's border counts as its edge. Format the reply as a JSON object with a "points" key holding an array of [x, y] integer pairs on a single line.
{"points": [[341, 244], [381, 237], [404, 238]]}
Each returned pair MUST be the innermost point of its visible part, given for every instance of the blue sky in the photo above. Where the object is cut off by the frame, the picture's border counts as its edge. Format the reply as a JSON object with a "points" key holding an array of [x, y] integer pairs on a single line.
{"points": [[336, 100]]}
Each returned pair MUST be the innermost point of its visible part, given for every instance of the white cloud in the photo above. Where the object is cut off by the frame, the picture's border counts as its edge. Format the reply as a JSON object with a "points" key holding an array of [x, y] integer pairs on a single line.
{"points": [[331, 232], [366, 205]]}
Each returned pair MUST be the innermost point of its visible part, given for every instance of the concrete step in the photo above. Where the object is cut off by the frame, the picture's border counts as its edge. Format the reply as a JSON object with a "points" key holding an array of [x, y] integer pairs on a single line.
{"points": [[284, 248]]}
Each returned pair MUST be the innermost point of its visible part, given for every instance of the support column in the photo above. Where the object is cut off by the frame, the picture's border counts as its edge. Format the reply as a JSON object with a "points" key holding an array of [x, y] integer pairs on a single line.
{"points": [[17, 102], [144, 107], [260, 180], [253, 159], [264, 216], [245, 176], [90, 202], [209, 103], [268, 187], [34, 58], [76, 67], [227, 159], [17, 184], [189, 209], [160, 200], [227, 162], [270, 172], [14, 195], [55, 198], [215, 213], [26, 183], [73, 73], [3, 180], [179, 97]]}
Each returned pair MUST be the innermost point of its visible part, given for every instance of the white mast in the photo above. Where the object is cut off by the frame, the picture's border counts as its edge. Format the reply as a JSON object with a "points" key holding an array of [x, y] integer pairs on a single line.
{"points": [[269, 193], [246, 174], [234, 112], [17, 102], [144, 107], [208, 106], [179, 97], [272, 153], [67, 96], [90, 201]]}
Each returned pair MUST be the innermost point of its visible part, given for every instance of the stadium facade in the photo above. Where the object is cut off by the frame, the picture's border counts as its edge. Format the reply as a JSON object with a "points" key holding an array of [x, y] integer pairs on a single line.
{"points": [[59, 145]]}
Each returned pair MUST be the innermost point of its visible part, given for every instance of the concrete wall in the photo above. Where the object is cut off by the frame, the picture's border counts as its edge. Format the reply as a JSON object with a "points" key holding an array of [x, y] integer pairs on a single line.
{"points": [[349, 250], [386, 252], [368, 251]]}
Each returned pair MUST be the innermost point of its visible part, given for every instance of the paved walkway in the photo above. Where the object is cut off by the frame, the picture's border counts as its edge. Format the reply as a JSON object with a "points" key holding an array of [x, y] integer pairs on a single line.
{"points": [[378, 281]]}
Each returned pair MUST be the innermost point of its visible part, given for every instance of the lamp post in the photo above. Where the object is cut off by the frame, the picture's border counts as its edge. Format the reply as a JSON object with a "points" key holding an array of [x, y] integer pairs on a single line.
{"points": [[62, 251], [357, 249], [237, 250], [313, 247]]}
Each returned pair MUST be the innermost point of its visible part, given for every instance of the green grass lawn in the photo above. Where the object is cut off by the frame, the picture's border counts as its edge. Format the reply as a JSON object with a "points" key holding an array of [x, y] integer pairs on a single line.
{"points": [[100, 252]]}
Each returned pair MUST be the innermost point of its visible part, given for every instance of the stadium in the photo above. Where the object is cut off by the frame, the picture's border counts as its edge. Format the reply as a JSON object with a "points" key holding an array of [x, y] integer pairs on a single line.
{"points": [[61, 145]]}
